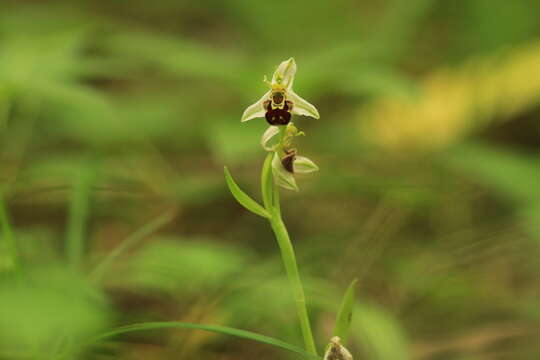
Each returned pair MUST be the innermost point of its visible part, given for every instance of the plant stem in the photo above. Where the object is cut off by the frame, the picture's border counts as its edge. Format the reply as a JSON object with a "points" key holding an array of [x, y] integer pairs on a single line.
{"points": [[7, 234], [291, 267], [79, 208]]}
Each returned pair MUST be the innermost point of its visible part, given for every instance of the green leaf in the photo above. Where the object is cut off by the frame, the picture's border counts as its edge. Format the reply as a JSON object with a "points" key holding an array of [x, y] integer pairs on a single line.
{"points": [[79, 209], [213, 328], [244, 198], [344, 318], [266, 182]]}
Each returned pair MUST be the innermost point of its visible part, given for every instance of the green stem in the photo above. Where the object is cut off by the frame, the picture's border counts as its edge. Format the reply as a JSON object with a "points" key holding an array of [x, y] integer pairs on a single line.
{"points": [[291, 267], [7, 235], [79, 208]]}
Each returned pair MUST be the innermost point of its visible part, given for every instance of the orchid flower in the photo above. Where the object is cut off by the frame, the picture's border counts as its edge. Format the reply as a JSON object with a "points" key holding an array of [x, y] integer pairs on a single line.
{"points": [[279, 103], [286, 162], [285, 167]]}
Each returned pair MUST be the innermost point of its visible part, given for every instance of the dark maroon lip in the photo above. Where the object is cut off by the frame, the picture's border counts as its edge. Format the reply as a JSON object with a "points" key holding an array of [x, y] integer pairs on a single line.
{"points": [[278, 116]]}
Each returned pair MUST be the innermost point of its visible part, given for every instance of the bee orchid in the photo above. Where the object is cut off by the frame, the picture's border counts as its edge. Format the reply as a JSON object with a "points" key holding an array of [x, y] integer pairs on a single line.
{"points": [[286, 162], [279, 103]]}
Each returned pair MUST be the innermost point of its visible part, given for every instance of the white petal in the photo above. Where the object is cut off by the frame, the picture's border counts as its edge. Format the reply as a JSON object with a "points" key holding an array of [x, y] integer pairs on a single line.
{"points": [[256, 110], [301, 106], [284, 74], [282, 177], [303, 165], [267, 136]]}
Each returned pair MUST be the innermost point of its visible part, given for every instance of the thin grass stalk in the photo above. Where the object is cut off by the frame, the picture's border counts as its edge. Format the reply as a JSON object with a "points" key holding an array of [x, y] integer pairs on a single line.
{"points": [[7, 235], [79, 208]]}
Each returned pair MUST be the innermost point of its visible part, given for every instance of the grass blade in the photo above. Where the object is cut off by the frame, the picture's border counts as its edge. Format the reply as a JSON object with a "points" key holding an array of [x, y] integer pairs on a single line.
{"points": [[7, 234], [213, 328], [146, 230], [78, 216], [344, 318], [244, 198]]}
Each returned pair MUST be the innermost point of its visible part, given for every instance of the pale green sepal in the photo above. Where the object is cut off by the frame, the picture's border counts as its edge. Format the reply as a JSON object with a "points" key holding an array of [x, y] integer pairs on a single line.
{"points": [[301, 106], [244, 198], [256, 110], [282, 177], [284, 74], [303, 165]]}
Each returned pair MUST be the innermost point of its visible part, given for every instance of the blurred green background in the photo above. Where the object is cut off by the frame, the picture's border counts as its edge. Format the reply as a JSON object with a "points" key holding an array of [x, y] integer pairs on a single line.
{"points": [[117, 117]]}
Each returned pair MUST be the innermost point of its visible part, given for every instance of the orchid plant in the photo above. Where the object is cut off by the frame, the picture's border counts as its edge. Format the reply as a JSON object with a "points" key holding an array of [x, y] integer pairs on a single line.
{"points": [[282, 162], [278, 105]]}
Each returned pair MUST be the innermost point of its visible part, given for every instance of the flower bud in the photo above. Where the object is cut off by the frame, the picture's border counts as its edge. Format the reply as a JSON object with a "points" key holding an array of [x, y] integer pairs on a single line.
{"points": [[336, 351]]}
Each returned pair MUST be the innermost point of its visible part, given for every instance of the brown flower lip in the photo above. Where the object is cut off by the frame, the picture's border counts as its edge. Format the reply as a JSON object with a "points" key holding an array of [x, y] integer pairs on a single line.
{"points": [[277, 116], [288, 160]]}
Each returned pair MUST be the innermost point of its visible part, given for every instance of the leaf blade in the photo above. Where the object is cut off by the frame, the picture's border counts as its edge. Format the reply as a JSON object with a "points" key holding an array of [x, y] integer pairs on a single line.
{"points": [[212, 328], [244, 199], [344, 318], [78, 215]]}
